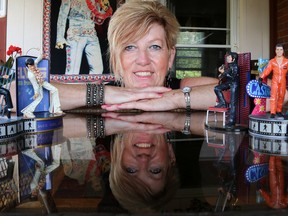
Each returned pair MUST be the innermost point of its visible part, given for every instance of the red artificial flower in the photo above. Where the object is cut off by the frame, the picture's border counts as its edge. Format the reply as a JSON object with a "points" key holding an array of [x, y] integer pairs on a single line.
{"points": [[10, 52], [13, 49]]}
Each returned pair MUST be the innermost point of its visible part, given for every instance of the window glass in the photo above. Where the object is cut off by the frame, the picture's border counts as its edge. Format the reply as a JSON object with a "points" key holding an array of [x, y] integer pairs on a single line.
{"points": [[204, 38]]}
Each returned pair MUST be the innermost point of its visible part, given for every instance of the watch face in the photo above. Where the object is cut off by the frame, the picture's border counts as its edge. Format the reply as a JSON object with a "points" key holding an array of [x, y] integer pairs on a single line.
{"points": [[186, 89]]}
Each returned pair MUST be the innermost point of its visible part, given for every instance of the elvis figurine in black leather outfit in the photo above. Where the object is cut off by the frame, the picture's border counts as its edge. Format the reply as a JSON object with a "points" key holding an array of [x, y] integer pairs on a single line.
{"points": [[7, 97], [229, 79]]}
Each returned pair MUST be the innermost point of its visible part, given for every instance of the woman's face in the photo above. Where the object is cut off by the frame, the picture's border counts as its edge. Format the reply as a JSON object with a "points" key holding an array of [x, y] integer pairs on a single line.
{"points": [[145, 62], [148, 158]]}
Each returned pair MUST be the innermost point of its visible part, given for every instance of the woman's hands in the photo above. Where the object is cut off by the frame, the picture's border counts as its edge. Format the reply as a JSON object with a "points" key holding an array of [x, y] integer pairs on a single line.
{"points": [[73, 96], [201, 97], [119, 95], [148, 101]]}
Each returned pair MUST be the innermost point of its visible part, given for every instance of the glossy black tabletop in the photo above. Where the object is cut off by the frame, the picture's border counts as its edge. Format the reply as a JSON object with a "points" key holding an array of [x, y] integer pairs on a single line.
{"points": [[126, 163]]}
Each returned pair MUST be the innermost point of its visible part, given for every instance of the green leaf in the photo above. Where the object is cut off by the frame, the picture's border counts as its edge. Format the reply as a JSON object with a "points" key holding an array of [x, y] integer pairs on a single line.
{"points": [[9, 62]]}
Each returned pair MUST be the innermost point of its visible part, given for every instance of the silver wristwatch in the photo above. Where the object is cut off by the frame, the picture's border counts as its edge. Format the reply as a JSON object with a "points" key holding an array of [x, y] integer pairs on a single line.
{"points": [[186, 90]]}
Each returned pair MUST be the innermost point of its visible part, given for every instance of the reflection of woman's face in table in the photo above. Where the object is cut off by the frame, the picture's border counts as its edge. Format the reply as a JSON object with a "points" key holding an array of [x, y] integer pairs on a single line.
{"points": [[147, 157]]}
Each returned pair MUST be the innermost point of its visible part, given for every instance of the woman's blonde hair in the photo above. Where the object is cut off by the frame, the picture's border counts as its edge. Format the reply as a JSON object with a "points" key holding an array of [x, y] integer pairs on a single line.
{"points": [[131, 22], [133, 194]]}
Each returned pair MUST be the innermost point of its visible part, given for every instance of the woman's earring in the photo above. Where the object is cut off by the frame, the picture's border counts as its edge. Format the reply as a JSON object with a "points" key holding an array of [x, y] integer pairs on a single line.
{"points": [[169, 72], [168, 78]]}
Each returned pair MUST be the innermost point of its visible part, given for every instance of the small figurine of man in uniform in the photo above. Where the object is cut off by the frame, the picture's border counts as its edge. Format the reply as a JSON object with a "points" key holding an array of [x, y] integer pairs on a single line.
{"points": [[279, 66]]}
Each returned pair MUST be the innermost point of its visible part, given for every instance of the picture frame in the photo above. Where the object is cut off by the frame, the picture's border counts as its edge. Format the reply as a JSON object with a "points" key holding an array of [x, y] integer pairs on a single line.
{"points": [[58, 57]]}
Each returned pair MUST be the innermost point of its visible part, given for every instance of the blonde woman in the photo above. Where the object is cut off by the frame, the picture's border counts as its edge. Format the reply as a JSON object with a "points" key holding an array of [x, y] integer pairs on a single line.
{"points": [[142, 37]]}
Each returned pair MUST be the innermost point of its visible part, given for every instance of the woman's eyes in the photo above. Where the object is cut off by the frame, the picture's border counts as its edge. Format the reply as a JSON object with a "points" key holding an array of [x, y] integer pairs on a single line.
{"points": [[131, 170], [155, 47], [153, 171], [156, 170], [152, 47], [130, 47]]}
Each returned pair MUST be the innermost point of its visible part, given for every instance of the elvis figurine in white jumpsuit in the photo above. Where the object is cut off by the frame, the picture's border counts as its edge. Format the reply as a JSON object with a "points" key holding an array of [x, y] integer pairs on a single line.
{"points": [[38, 83], [81, 34]]}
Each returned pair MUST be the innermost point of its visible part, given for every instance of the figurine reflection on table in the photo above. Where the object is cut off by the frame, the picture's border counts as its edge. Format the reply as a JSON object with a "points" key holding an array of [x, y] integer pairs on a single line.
{"points": [[277, 198], [37, 80], [229, 79]]}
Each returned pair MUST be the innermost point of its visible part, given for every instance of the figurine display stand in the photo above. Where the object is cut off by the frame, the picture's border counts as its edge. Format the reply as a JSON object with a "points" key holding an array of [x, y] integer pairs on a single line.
{"points": [[215, 110], [17, 127], [269, 145], [216, 118], [267, 135], [26, 140]]}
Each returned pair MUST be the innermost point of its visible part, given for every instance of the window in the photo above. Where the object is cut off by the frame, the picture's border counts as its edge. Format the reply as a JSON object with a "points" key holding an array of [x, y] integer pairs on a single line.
{"points": [[204, 37]]}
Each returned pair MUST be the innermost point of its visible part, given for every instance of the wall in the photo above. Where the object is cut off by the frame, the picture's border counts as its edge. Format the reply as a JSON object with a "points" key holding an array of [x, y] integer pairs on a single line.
{"points": [[282, 22], [3, 25], [25, 24], [254, 28]]}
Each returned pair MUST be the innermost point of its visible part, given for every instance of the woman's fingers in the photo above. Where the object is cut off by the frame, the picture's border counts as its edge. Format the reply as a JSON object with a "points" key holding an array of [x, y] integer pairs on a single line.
{"points": [[116, 95]]}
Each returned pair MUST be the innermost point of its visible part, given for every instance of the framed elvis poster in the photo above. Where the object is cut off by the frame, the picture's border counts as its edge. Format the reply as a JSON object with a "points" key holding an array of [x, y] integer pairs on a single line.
{"points": [[75, 39]]}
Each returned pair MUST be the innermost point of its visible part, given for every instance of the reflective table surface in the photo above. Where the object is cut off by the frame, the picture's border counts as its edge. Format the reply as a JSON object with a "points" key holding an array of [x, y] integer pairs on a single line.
{"points": [[123, 163]]}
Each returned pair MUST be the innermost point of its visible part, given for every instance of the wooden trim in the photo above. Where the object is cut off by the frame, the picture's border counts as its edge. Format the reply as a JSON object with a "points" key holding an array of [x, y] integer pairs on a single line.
{"points": [[273, 26], [3, 30]]}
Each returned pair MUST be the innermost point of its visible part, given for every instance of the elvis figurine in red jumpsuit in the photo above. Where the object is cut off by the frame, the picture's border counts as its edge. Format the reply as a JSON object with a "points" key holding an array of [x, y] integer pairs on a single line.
{"points": [[279, 66]]}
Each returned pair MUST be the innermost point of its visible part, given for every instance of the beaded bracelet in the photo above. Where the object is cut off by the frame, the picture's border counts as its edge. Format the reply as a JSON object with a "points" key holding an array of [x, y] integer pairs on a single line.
{"points": [[95, 126], [94, 94]]}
